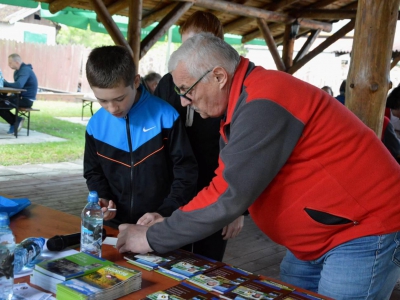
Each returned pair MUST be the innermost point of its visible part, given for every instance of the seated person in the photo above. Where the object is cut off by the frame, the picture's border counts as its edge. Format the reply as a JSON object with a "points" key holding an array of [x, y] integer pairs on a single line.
{"points": [[137, 154], [24, 78]]}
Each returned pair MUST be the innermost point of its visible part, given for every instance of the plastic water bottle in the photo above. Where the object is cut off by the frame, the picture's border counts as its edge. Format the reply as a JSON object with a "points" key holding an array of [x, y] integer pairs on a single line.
{"points": [[1, 79], [7, 246], [26, 252], [92, 226]]}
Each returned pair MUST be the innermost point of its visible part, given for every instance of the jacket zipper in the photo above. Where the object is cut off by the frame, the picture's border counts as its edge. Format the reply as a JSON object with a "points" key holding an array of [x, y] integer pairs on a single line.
{"points": [[128, 130]]}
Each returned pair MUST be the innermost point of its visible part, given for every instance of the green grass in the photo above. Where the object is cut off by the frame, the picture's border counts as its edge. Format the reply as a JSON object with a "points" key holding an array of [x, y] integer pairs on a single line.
{"points": [[45, 122]]}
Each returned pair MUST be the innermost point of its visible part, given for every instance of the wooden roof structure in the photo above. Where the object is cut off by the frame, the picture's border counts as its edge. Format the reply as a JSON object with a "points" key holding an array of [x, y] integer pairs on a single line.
{"points": [[279, 22]]}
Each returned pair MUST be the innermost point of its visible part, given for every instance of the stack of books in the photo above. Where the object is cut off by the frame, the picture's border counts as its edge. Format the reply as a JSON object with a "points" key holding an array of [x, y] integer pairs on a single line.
{"points": [[202, 278], [178, 264], [83, 276]]}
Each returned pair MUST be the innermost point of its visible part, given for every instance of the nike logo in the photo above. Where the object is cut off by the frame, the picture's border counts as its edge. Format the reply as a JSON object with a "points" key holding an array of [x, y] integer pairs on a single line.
{"points": [[147, 129]]}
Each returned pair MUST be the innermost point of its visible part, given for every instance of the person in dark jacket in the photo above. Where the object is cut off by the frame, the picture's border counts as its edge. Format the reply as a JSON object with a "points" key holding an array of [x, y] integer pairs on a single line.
{"points": [[204, 137], [24, 78], [137, 154]]}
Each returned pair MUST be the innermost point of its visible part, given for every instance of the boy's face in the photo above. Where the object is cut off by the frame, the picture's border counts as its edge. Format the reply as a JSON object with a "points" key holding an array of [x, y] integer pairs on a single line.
{"points": [[119, 100]]}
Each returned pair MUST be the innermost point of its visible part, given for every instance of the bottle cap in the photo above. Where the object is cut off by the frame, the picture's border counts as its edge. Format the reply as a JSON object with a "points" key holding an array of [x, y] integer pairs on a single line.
{"points": [[93, 197], [4, 219]]}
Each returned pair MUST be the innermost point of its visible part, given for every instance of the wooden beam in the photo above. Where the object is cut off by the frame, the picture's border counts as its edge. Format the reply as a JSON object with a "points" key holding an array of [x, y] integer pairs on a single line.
{"points": [[288, 46], [163, 26], [329, 41], [117, 6], [252, 12], [269, 40], [58, 5], [279, 38], [319, 4], [239, 22], [256, 33], [157, 15], [109, 24], [307, 45], [134, 29], [368, 79], [327, 14], [395, 60]]}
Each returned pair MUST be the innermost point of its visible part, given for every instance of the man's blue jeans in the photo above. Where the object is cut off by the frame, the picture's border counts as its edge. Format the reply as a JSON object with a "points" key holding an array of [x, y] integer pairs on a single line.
{"points": [[363, 268]]}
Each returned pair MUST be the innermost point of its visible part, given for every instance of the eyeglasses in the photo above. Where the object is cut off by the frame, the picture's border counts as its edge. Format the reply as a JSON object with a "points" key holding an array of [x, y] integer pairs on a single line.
{"points": [[189, 89]]}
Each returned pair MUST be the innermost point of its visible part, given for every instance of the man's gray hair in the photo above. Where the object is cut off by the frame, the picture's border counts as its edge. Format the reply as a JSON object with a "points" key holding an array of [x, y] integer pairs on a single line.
{"points": [[203, 52], [15, 57]]}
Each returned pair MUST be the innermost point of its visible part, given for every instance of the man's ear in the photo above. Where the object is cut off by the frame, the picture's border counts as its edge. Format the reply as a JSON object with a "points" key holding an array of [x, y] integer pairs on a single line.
{"points": [[221, 76], [136, 81]]}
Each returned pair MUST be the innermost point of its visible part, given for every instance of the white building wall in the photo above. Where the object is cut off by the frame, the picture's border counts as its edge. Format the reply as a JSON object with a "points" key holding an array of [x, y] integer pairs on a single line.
{"points": [[16, 31]]}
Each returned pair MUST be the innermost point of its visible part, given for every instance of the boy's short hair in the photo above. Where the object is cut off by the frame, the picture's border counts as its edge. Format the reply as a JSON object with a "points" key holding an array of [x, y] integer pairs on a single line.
{"points": [[152, 76], [109, 66], [202, 21]]}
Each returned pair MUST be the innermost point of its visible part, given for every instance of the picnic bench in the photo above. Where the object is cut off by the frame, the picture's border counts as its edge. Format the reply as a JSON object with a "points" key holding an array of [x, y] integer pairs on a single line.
{"points": [[26, 112], [87, 102]]}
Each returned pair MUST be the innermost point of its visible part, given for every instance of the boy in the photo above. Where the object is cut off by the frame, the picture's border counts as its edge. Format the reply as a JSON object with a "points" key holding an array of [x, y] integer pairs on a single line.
{"points": [[137, 155]]}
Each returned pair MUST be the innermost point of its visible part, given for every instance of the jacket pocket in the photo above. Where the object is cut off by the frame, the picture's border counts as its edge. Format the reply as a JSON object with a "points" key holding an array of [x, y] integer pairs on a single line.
{"points": [[326, 218]]}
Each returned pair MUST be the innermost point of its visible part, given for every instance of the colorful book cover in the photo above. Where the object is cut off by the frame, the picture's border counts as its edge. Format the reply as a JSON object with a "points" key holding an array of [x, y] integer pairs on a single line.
{"points": [[222, 280], [153, 260], [256, 289], [106, 278], [189, 266], [71, 266], [182, 291]]}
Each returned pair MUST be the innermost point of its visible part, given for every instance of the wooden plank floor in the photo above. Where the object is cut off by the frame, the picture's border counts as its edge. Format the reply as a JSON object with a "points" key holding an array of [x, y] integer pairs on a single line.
{"points": [[251, 250]]}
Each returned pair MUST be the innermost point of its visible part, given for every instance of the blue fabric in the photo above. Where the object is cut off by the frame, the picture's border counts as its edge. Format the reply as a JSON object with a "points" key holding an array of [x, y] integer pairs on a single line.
{"points": [[363, 268], [24, 78], [13, 206], [147, 118]]}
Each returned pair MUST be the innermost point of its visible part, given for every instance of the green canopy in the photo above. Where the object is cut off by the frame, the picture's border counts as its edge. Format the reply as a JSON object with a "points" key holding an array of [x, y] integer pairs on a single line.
{"points": [[83, 19]]}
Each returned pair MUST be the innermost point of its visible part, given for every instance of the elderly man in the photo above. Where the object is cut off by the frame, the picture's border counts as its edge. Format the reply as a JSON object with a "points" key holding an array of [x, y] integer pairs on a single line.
{"points": [[24, 78], [302, 163]]}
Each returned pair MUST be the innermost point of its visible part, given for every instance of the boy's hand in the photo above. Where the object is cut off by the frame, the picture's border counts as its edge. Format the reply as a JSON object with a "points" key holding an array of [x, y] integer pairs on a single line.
{"points": [[105, 206]]}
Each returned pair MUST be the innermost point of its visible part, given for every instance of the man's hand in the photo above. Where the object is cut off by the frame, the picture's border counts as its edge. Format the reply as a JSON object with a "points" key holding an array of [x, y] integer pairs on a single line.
{"points": [[105, 205], [149, 219], [233, 229], [132, 238]]}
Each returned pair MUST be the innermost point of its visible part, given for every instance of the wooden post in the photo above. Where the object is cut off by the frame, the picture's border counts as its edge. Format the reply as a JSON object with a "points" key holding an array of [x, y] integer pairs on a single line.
{"points": [[269, 39], [288, 46], [307, 45], [109, 24], [134, 29], [368, 79]]}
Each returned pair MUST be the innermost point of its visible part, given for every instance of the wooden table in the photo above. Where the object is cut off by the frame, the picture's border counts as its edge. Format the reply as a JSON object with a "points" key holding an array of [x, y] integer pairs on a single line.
{"points": [[7, 90], [37, 220], [40, 221]]}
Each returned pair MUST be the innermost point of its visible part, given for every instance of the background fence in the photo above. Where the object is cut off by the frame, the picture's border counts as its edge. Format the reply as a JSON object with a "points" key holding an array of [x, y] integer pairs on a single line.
{"points": [[57, 67]]}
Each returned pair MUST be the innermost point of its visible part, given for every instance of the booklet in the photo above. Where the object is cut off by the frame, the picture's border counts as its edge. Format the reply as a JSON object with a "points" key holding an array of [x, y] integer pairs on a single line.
{"points": [[182, 291], [109, 282], [71, 266], [186, 267], [153, 260], [256, 289], [222, 280]]}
